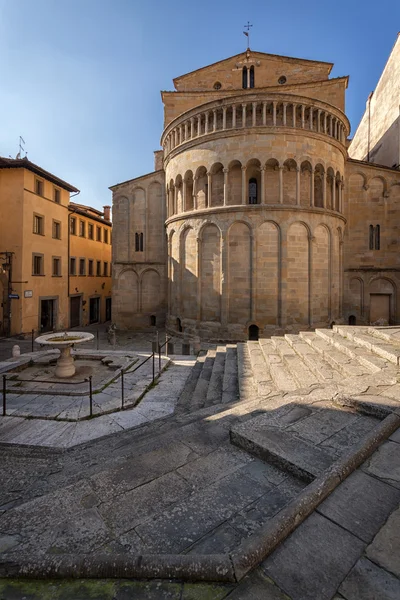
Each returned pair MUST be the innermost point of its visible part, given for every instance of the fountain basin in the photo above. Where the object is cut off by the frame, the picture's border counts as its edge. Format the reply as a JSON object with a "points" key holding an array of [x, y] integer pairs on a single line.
{"points": [[65, 366]]}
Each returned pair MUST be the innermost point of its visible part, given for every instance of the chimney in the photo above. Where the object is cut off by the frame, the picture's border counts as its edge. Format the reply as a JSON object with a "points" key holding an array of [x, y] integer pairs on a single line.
{"points": [[107, 213]]}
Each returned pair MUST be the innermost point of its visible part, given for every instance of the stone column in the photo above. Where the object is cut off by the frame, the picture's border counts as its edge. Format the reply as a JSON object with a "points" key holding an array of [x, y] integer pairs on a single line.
{"points": [[224, 117], [312, 187], [311, 116], [198, 125], [244, 185], [294, 106], [234, 116], [209, 182], [324, 190], [206, 123], [280, 185], [325, 123], [331, 126], [284, 113], [224, 281], [341, 186], [191, 127], [214, 119], [225, 171], [262, 198], [184, 191], [303, 116], [319, 120], [334, 193], [186, 130], [274, 113], [264, 114], [298, 186], [243, 115], [198, 279], [254, 113], [195, 180]]}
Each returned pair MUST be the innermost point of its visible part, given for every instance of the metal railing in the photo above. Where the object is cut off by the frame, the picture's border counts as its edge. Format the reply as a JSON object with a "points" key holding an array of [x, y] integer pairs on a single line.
{"points": [[120, 375]]}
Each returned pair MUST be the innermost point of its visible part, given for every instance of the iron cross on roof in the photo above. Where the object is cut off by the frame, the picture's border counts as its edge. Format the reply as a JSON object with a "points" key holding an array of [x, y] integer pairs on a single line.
{"points": [[247, 33]]}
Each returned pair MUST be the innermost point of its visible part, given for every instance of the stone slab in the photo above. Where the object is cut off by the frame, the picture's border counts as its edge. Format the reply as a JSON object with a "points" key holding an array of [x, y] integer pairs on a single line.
{"points": [[322, 424], [257, 586], [281, 448], [367, 581], [385, 463], [314, 560], [385, 548], [344, 439], [361, 504]]}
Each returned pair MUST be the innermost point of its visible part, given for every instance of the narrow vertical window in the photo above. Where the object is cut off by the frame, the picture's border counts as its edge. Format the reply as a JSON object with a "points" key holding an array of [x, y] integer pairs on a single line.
{"points": [[244, 78], [252, 191], [136, 242], [141, 242], [378, 237], [251, 76], [371, 237]]}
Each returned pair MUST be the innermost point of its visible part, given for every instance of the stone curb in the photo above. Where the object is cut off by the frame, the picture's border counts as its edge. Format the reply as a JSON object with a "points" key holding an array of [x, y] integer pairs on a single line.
{"points": [[218, 567]]}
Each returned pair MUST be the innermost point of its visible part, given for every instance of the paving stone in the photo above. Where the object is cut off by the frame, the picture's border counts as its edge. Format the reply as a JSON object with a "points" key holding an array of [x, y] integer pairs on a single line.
{"points": [[314, 560], [385, 463], [177, 528], [82, 533], [216, 465], [395, 437], [127, 511], [203, 437], [140, 469], [322, 424], [361, 504], [385, 548], [221, 540], [257, 586], [205, 591], [148, 590], [344, 439], [367, 581]]}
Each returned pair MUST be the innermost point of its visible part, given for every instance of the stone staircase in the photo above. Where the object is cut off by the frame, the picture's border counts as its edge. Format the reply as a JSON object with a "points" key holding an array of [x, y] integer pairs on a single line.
{"points": [[213, 380]]}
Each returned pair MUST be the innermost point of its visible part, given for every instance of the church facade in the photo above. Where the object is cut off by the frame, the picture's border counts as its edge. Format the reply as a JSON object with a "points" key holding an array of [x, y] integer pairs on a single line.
{"points": [[256, 221]]}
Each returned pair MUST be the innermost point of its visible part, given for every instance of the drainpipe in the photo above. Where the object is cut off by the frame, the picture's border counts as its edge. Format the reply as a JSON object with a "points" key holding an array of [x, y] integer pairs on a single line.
{"points": [[70, 212]]}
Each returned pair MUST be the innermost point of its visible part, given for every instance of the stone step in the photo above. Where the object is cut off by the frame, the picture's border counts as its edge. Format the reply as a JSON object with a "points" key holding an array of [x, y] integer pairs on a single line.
{"points": [[215, 386], [281, 449], [260, 369], [230, 385], [389, 334], [361, 337], [341, 362], [200, 391], [298, 369], [321, 369], [184, 401], [246, 382], [364, 356], [278, 370], [367, 404]]}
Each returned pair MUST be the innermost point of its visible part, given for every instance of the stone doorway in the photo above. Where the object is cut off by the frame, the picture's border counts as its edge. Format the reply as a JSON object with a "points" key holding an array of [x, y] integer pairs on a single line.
{"points": [[253, 333]]}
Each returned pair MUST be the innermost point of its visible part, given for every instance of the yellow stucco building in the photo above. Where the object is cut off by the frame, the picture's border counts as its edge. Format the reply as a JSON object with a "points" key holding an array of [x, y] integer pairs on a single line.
{"points": [[35, 250]]}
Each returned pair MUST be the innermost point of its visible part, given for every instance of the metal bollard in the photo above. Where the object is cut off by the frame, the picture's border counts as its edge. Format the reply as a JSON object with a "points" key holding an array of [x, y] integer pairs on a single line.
{"points": [[33, 335], [91, 395], [4, 395], [122, 389], [154, 370]]}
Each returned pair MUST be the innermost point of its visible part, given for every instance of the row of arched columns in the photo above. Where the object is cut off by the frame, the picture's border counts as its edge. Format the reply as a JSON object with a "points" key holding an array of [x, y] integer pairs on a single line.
{"points": [[268, 113], [252, 183]]}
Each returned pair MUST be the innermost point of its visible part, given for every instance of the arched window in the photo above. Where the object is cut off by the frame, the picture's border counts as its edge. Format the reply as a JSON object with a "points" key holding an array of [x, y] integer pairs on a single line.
{"points": [[251, 76], [244, 78], [139, 242], [371, 237], [253, 191], [378, 237]]}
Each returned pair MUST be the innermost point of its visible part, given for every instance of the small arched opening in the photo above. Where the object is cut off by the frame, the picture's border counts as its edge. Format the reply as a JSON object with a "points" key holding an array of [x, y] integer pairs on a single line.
{"points": [[253, 333], [352, 320], [179, 325], [252, 190]]}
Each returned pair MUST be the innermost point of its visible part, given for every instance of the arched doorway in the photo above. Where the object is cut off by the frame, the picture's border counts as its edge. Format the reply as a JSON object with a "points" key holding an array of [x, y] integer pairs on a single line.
{"points": [[352, 320], [253, 333], [179, 325]]}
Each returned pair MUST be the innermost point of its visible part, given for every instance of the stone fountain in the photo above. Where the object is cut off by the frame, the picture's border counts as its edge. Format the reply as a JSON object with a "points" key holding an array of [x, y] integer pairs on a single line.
{"points": [[64, 342]]}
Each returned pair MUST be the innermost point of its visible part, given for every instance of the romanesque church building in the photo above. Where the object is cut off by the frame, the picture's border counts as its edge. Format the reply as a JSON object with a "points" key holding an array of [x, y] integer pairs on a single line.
{"points": [[261, 216]]}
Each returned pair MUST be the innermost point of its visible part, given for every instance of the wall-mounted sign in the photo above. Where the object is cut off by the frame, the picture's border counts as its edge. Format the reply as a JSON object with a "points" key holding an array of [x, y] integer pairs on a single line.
{"points": [[13, 296], [28, 293]]}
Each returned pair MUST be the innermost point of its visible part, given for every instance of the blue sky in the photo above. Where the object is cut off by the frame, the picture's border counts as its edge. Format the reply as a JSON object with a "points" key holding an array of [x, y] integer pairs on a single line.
{"points": [[81, 79]]}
